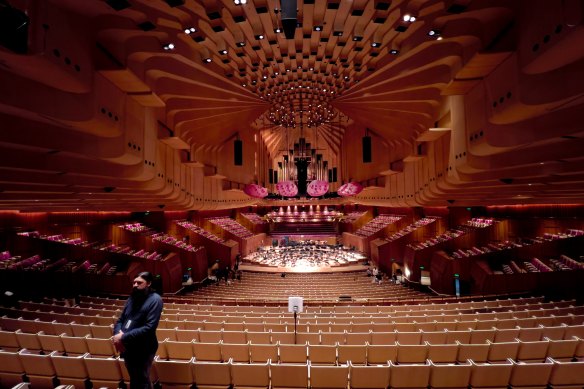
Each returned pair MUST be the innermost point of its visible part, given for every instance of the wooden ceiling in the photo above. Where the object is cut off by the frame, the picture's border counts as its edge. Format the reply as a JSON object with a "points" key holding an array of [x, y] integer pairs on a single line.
{"points": [[133, 104]]}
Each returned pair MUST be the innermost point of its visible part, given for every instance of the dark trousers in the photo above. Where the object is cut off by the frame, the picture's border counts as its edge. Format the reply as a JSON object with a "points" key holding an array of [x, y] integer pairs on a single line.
{"points": [[138, 367]]}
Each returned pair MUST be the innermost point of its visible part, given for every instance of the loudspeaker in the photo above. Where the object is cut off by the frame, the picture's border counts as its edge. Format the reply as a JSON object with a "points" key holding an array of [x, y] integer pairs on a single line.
{"points": [[271, 176], [334, 174], [238, 152], [289, 17], [506, 180], [366, 149], [330, 175], [275, 176]]}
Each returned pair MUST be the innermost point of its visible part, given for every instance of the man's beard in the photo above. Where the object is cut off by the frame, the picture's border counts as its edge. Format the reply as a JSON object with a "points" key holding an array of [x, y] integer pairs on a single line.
{"points": [[139, 293]]}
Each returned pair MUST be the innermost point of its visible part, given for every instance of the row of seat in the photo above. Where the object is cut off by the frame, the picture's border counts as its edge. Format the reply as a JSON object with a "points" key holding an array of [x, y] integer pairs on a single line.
{"points": [[369, 354], [294, 348], [432, 304], [47, 371]]}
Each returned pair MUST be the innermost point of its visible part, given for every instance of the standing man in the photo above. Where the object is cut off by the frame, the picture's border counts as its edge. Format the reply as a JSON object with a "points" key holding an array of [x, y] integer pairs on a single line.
{"points": [[135, 331]]}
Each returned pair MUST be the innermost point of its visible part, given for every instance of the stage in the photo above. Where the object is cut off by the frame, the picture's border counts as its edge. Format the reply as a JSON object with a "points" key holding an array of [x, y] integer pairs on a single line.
{"points": [[302, 269]]}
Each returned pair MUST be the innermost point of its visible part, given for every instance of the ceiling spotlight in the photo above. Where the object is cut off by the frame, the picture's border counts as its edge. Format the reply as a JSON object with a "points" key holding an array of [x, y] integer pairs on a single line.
{"points": [[394, 52], [439, 38], [207, 60], [223, 52], [357, 38], [169, 46], [244, 85], [190, 30], [240, 44], [434, 32], [375, 44], [277, 30], [346, 77], [239, 2], [259, 37], [409, 18], [317, 28]]}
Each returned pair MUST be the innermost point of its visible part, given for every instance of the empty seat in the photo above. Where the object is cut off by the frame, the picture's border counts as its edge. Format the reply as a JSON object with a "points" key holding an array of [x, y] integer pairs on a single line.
{"points": [[263, 352], [566, 374], [442, 353], [409, 376], [207, 351], [251, 375], [178, 351], [293, 353], [70, 370], [486, 375], [11, 369], [329, 376], [103, 372], [369, 377], [212, 375], [320, 354], [357, 354], [38, 368], [530, 375], [174, 372], [289, 375], [380, 354], [235, 352], [450, 376], [411, 353]]}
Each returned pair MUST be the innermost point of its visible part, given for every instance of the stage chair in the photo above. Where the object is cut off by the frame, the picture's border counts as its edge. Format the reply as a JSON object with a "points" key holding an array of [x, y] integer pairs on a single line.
{"points": [[329, 376], [252, 375], [293, 353], [286, 376], [450, 376], [207, 351], [235, 352], [174, 373], [368, 377], [11, 369], [380, 354], [476, 352], [263, 352], [356, 354], [442, 353], [212, 375], [319, 354], [486, 375], [408, 376], [411, 354], [103, 372], [530, 375], [70, 370], [533, 351]]}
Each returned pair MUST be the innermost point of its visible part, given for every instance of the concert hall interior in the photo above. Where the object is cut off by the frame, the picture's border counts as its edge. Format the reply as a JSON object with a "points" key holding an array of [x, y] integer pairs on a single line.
{"points": [[412, 169]]}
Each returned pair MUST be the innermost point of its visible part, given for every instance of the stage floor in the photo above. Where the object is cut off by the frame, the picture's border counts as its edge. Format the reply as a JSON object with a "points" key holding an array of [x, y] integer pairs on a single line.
{"points": [[298, 269]]}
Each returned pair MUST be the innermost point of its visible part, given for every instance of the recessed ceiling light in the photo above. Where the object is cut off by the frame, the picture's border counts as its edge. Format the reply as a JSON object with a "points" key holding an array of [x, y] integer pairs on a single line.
{"points": [[223, 52], [207, 60]]}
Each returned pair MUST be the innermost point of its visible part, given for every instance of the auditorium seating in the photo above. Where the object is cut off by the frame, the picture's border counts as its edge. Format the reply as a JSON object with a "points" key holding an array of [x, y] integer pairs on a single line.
{"points": [[489, 343]]}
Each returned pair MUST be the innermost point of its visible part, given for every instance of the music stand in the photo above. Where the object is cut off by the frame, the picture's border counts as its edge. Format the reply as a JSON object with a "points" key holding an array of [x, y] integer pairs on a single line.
{"points": [[295, 304]]}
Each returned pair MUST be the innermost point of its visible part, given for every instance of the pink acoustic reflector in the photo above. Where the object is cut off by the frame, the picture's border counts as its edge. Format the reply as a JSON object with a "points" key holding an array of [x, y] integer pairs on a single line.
{"points": [[350, 189], [255, 190], [317, 188], [287, 188]]}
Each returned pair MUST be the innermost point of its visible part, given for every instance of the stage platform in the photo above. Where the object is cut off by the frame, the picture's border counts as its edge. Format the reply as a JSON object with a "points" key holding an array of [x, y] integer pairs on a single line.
{"points": [[297, 269]]}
